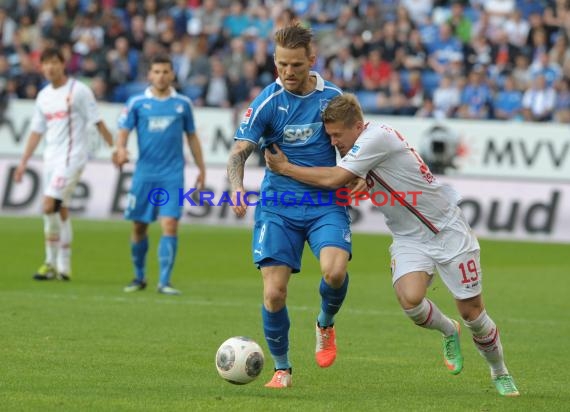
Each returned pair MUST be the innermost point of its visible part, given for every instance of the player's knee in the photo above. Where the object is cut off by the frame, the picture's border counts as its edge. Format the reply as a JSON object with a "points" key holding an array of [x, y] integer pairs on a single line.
{"points": [[274, 298], [409, 299], [51, 205], [470, 309], [52, 225], [335, 277]]}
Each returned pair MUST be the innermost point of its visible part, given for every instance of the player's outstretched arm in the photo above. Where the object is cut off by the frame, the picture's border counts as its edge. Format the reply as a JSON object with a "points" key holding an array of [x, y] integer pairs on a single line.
{"points": [[241, 150], [121, 155], [104, 132], [31, 146], [196, 150], [327, 177]]}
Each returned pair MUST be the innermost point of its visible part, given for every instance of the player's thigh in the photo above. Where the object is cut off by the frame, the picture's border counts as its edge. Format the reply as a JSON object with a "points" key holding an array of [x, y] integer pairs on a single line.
{"points": [[138, 207], [462, 275], [60, 182], [407, 256], [171, 208], [458, 260], [329, 226], [277, 240]]}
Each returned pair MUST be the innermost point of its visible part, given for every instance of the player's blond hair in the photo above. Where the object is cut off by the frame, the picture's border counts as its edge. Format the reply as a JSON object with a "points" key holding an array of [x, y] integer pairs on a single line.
{"points": [[294, 37], [344, 108]]}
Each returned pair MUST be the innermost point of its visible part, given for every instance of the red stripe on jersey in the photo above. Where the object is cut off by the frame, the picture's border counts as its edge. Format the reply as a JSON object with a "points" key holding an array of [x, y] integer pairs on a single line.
{"points": [[70, 124], [405, 203]]}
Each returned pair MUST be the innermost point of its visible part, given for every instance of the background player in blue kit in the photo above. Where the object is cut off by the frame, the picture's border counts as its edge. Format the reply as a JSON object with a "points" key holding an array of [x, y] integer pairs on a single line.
{"points": [[161, 117], [288, 112]]}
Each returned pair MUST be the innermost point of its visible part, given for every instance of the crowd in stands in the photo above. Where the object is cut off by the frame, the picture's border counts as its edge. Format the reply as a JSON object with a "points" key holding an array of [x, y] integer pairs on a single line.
{"points": [[471, 59]]}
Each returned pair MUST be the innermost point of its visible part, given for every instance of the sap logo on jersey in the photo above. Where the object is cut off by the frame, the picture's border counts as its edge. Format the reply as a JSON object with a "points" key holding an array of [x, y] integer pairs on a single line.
{"points": [[300, 134], [159, 123]]}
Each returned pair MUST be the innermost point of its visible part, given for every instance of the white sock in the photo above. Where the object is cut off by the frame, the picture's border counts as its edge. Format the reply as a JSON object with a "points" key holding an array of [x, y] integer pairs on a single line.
{"points": [[64, 252], [488, 342], [427, 315], [52, 224]]}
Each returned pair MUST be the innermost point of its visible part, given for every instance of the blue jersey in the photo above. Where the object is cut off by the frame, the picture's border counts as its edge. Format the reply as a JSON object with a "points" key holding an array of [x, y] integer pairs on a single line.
{"points": [[160, 125], [294, 123]]}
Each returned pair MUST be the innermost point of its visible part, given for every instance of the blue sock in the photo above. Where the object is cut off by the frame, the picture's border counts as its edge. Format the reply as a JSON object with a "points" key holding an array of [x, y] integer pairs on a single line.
{"points": [[331, 302], [138, 254], [166, 256], [276, 330]]}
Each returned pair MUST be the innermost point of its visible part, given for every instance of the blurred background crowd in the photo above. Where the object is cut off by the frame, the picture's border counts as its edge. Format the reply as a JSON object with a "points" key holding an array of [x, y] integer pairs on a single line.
{"points": [[472, 59]]}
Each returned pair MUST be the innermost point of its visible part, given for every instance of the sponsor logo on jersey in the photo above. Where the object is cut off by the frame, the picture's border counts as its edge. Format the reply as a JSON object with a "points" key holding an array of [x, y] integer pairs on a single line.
{"points": [[299, 134], [159, 123], [354, 151], [247, 116]]}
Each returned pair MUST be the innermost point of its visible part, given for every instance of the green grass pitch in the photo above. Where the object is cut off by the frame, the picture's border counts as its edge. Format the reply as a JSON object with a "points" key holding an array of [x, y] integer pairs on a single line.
{"points": [[87, 346]]}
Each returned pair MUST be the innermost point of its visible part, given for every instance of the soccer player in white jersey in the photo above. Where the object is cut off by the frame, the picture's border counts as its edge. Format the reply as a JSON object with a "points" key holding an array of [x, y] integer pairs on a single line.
{"points": [[64, 109], [429, 230]]}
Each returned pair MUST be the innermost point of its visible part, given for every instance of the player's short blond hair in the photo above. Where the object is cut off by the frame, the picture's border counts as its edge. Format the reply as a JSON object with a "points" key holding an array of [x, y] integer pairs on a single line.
{"points": [[294, 37], [344, 108]]}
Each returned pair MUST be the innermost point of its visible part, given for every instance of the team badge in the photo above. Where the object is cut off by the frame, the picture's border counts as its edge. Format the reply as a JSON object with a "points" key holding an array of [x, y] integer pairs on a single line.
{"points": [[323, 104]]}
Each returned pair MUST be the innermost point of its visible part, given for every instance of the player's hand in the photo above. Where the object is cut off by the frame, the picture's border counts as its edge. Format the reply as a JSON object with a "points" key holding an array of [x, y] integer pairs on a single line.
{"points": [[19, 172], [200, 181], [357, 185], [275, 158], [239, 204], [120, 156]]}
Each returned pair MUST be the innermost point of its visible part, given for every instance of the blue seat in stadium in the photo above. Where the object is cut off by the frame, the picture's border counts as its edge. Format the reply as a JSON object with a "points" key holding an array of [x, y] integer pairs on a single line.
{"points": [[367, 101], [430, 81]]}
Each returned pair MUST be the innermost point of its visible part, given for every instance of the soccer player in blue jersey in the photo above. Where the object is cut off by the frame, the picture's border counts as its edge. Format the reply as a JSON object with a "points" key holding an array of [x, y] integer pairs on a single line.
{"points": [[288, 112], [161, 118]]}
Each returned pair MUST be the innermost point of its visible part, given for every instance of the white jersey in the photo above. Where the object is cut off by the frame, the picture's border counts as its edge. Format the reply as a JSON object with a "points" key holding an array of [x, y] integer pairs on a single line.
{"points": [[415, 204], [63, 115]]}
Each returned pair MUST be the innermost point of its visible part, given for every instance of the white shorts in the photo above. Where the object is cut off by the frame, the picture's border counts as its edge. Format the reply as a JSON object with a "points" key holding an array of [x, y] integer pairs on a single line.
{"points": [[60, 182], [453, 252]]}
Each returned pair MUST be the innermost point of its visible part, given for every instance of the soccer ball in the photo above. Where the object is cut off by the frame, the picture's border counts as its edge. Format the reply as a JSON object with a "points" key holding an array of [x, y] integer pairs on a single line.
{"points": [[239, 360]]}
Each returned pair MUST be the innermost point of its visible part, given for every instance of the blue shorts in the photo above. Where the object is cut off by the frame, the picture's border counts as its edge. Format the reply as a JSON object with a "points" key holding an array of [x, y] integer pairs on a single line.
{"points": [[146, 201], [280, 232]]}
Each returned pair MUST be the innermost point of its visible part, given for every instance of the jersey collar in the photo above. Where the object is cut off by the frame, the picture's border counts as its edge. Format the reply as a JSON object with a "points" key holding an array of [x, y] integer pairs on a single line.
{"points": [[148, 93], [320, 86]]}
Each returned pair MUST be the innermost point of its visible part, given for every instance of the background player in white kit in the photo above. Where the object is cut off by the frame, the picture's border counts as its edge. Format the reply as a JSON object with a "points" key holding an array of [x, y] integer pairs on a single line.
{"points": [[428, 234], [64, 110]]}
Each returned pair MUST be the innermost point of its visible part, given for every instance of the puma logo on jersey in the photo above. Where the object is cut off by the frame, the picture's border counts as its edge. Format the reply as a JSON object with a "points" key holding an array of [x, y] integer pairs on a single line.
{"points": [[284, 108], [299, 134], [159, 123]]}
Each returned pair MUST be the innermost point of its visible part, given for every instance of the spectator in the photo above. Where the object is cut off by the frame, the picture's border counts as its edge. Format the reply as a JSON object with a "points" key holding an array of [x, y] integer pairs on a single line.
{"points": [[375, 72], [517, 29], [539, 101], [217, 92], [459, 23], [7, 28], [446, 98], [507, 104], [476, 96], [442, 50], [562, 105]]}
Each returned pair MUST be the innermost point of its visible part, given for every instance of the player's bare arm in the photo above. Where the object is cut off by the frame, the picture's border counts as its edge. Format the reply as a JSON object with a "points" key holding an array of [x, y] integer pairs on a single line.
{"points": [[121, 155], [104, 132], [326, 177], [31, 146], [196, 150], [236, 163]]}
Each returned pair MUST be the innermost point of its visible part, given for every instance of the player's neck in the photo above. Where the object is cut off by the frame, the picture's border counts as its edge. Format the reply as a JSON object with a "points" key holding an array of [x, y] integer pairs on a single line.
{"points": [[309, 86], [56, 83], [161, 94]]}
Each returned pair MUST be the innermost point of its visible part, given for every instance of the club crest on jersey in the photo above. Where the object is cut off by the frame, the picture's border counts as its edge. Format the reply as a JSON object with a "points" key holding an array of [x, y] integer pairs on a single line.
{"points": [[299, 134], [323, 104], [179, 108], [159, 123], [247, 116]]}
